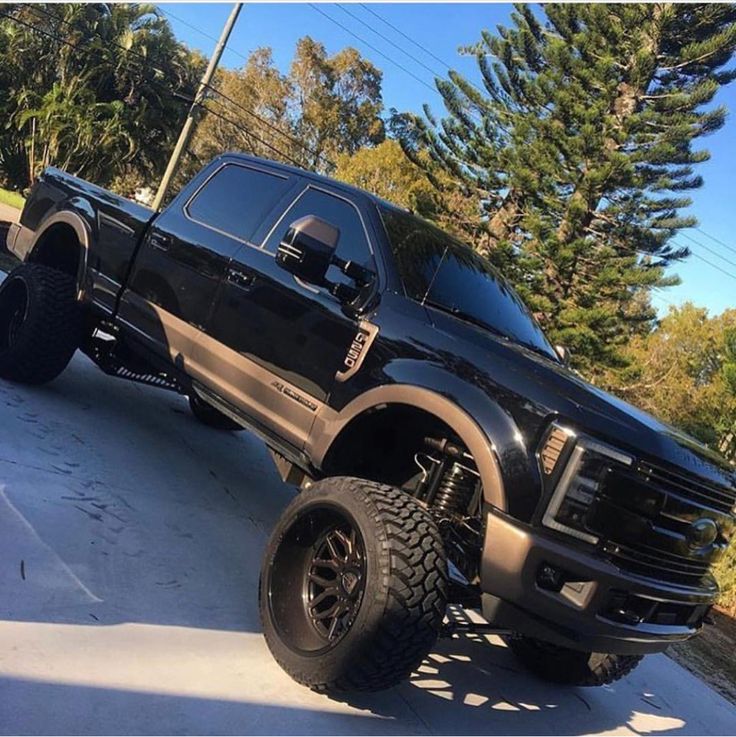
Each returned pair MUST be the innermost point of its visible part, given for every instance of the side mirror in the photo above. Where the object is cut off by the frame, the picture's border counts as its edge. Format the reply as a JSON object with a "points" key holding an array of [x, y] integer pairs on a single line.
{"points": [[308, 248], [563, 354]]}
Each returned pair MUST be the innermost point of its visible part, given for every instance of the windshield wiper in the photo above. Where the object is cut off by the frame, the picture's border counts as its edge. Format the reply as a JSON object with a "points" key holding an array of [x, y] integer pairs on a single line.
{"points": [[473, 320], [467, 317]]}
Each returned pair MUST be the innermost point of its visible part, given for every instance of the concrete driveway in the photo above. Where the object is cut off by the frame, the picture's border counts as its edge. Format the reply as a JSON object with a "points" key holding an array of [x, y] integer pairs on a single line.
{"points": [[8, 214], [130, 542]]}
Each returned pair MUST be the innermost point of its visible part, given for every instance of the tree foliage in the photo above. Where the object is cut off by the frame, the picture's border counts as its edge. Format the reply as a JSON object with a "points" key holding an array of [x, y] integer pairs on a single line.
{"points": [[90, 88], [684, 371], [577, 150], [387, 172], [324, 106]]}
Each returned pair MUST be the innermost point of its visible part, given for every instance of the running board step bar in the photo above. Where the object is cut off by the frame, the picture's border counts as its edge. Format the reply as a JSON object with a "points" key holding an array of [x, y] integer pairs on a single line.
{"points": [[105, 354]]}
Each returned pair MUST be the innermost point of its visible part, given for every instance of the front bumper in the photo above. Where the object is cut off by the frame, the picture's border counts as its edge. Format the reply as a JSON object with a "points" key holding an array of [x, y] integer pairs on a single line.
{"points": [[597, 605]]}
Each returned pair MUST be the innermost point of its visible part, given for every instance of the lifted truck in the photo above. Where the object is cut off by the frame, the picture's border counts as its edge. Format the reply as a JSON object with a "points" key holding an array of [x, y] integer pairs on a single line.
{"points": [[444, 451]]}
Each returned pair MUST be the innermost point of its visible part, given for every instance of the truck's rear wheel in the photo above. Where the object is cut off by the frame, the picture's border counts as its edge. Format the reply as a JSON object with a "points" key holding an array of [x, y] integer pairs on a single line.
{"points": [[210, 416], [353, 586], [571, 667], [40, 323]]}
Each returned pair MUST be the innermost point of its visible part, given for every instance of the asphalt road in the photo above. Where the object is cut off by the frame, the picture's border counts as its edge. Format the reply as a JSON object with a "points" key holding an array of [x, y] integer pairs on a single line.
{"points": [[130, 543]]}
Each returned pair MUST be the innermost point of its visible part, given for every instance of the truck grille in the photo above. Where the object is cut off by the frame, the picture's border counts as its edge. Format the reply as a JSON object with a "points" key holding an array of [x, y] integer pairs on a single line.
{"points": [[718, 497], [645, 518]]}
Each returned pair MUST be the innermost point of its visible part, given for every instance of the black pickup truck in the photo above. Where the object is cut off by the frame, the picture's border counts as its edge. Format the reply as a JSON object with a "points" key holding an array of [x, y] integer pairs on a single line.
{"points": [[444, 451]]}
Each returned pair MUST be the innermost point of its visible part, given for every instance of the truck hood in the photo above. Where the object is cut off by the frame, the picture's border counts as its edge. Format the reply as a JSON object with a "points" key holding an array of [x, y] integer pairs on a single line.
{"points": [[623, 424], [552, 389]]}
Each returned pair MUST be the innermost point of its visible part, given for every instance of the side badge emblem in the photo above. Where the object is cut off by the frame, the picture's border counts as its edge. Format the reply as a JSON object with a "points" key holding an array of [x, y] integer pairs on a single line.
{"points": [[357, 351]]}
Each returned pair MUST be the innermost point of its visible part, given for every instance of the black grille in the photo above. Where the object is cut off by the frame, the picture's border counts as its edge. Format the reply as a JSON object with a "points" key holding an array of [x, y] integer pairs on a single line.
{"points": [[644, 519], [719, 497], [654, 564]]}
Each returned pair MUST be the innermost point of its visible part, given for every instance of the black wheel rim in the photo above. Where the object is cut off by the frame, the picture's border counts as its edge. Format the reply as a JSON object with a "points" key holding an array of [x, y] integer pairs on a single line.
{"points": [[13, 312], [335, 582], [317, 579]]}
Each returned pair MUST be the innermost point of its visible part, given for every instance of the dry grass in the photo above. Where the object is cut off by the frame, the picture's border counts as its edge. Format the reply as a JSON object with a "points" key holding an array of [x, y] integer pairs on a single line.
{"points": [[710, 655], [726, 575]]}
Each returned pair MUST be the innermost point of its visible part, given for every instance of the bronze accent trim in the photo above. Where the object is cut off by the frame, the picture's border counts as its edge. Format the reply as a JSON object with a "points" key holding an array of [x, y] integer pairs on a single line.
{"points": [[249, 387]]}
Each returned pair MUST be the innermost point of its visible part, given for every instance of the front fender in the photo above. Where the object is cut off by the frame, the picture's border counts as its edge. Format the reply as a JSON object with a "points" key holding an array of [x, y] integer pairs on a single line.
{"points": [[489, 432]]}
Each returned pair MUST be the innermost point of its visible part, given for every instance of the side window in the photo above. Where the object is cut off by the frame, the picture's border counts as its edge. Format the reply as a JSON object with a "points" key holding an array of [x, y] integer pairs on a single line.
{"points": [[353, 244], [236, 199]]}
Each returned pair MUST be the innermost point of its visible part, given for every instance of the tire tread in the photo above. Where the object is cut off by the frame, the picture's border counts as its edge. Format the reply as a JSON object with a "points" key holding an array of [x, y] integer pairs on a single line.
{"points": [[51, 333]]}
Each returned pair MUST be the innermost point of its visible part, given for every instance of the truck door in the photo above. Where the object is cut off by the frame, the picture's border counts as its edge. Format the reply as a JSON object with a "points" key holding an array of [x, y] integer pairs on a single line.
{"points": [[277, 343], [184, 256]]}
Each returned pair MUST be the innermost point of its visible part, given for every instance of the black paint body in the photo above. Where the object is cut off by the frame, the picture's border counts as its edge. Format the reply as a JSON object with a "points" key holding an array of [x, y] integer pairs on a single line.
{"points": [[232, 289]]}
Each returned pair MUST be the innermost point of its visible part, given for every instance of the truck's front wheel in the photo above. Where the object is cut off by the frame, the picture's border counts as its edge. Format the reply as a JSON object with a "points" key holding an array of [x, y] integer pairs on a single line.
{"points": [[40, 323], [571, 667], [353, 586]]}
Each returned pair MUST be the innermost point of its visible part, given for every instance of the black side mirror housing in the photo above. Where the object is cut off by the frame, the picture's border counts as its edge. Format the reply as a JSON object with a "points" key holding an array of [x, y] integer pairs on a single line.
{"points": [[308, 249]]}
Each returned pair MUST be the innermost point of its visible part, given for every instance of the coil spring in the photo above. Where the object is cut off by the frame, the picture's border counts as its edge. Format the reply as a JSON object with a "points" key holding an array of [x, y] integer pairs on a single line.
{"points": [[455, 491]]}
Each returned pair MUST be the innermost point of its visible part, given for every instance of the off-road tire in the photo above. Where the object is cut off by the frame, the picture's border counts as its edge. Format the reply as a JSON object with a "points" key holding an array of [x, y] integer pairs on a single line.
{"points": [[40, 323], [210, 416], [571, 667], [405, 588]]}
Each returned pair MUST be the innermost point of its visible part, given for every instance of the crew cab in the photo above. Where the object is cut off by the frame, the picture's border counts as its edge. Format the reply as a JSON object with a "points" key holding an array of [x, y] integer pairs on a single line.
{"points": [[444, 452]]}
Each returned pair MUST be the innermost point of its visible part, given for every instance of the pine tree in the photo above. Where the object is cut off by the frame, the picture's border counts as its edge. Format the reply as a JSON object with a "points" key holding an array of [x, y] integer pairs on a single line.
{"points": [[577, 150]]}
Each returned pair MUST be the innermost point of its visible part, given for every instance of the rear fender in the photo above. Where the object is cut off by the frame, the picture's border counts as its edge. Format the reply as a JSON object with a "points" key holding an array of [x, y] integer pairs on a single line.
{"points": [[31, 242]]}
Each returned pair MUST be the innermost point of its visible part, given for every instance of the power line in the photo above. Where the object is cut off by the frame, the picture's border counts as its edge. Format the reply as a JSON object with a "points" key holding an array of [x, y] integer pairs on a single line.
{"points": [[707, 248], [125, 49], [271, 126], [404, 35], [445, 64], [76, 46], [160, 82], [249, 133], [373, 48], [388, 40], [716, 240], [655, 294], [242, 107], [711, 264], [200, 31]]}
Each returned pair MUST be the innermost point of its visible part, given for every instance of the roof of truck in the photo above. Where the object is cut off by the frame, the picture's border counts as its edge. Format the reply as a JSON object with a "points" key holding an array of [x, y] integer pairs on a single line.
{"points": [[312, 175]]}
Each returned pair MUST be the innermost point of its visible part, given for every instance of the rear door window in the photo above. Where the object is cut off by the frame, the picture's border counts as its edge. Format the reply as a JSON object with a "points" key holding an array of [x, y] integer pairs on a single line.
{"points": [[236, 199]]}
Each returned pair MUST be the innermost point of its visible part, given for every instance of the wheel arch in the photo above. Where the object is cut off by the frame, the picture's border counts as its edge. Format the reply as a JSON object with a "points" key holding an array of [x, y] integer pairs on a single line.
{"points": [[332, 429], [63, 243]]}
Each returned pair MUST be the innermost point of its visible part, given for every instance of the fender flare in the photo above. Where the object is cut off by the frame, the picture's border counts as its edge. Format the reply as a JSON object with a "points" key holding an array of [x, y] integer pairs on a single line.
{"points": [[329, 424], [80, 228]]}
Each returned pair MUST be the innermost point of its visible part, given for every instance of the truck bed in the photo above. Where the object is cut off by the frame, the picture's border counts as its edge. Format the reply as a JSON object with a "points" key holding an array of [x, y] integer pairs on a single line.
{"points": [[116, 226]]}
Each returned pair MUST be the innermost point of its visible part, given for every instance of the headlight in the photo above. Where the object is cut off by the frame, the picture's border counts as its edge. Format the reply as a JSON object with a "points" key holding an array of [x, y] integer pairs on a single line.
{"points": [[579, 482]]}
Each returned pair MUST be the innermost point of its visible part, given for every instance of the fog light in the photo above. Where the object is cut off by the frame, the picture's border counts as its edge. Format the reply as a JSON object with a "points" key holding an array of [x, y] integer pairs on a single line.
{"points": [[550, 578]]}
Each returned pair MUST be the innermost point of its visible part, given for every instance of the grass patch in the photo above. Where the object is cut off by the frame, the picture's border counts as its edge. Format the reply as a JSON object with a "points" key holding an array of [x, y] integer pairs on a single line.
{"points": [[11, 198]]}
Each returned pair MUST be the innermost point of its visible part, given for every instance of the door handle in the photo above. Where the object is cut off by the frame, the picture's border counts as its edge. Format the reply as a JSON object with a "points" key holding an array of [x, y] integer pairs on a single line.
{"points": [[241, 279], [161, 242]]}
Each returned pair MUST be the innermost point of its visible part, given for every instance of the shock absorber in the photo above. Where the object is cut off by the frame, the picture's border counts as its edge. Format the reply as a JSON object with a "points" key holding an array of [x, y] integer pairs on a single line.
{"points": [[455, 490], [453, 483]]}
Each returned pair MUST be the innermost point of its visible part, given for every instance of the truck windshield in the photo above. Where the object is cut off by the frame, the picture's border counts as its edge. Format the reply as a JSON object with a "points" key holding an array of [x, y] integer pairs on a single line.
{"points": [[439, 271]]}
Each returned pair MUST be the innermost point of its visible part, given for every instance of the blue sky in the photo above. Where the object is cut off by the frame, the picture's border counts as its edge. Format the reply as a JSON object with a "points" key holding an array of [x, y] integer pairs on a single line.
{"points": [[443, 28]]}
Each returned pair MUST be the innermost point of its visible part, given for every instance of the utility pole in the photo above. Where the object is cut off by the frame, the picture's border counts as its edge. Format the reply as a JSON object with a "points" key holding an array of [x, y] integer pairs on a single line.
{"points": [[194, 111]]}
